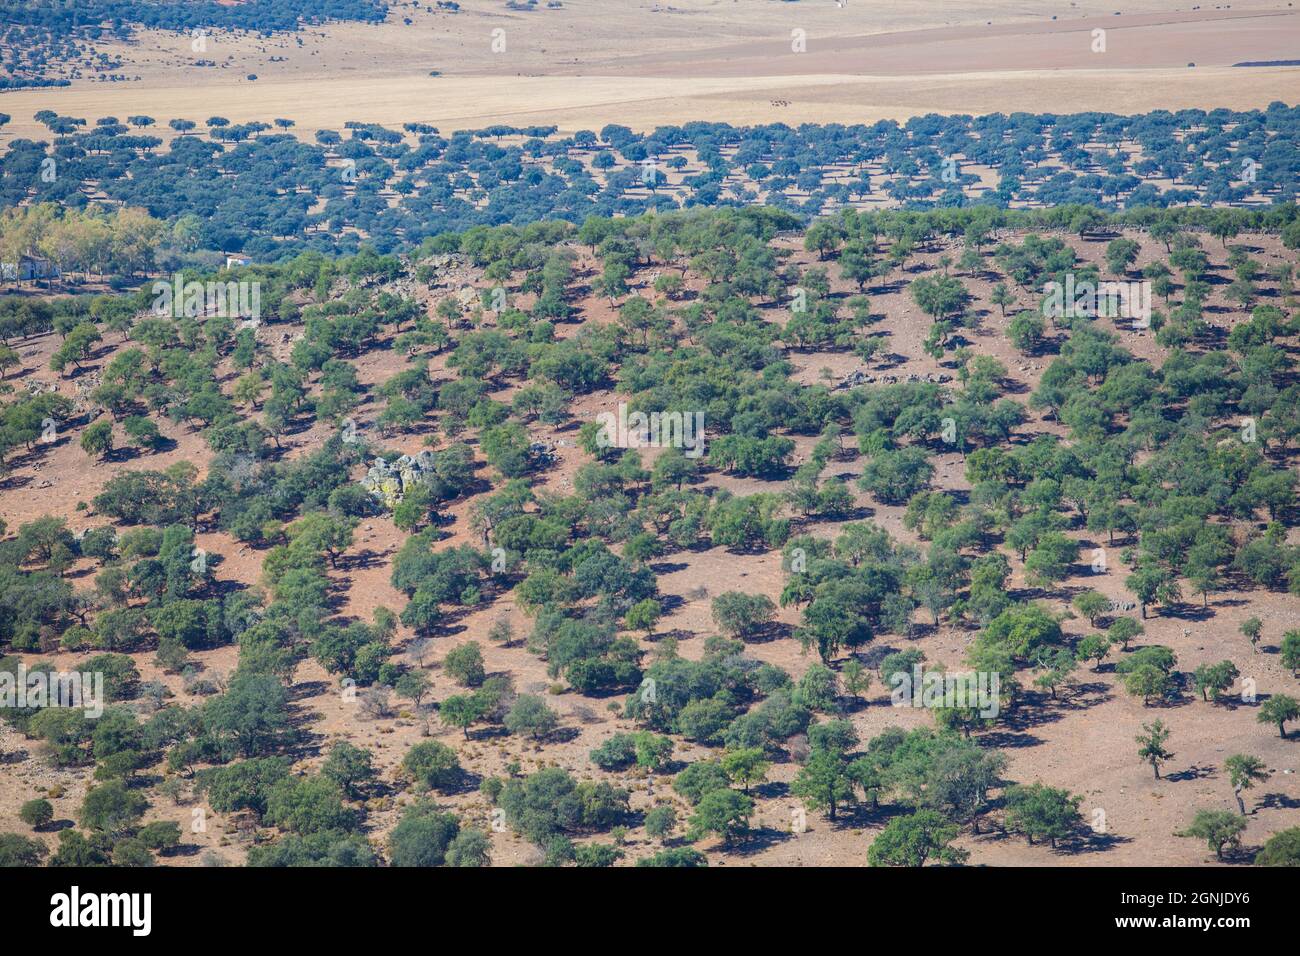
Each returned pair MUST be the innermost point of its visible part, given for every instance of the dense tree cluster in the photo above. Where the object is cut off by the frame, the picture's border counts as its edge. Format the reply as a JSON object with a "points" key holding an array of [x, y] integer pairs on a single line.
{"points": [[45, 35], [262, 188]]}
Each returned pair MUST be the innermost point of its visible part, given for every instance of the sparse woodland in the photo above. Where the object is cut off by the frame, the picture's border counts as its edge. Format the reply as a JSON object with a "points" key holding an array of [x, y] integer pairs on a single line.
{"points": [[554, 650]]}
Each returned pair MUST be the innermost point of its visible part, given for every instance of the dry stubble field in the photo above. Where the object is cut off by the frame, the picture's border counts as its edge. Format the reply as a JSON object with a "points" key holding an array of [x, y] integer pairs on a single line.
{"points": [[642, 64]]}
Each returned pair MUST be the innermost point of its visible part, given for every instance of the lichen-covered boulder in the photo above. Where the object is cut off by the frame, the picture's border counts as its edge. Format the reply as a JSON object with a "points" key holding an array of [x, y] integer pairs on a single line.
{"points": [[390, 482]]}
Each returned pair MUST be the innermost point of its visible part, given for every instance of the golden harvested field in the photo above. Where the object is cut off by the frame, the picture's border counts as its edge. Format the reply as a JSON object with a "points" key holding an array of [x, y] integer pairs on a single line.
{"points": [[644, 64]]}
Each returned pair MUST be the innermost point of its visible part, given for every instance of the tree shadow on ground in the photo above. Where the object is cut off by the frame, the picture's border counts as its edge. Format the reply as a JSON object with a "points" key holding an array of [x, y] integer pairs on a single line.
{"points": [[1193, 772], [1278, 801], [1005, 740], [757, 840]]}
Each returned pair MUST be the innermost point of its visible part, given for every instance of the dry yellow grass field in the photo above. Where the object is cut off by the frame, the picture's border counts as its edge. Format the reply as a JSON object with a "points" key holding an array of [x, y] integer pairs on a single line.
{"points": [[644, 64]]}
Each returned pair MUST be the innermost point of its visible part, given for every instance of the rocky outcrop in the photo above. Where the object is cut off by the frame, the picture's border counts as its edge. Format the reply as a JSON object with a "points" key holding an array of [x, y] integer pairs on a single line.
{"points": [[862, 377], [390, 481]]}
